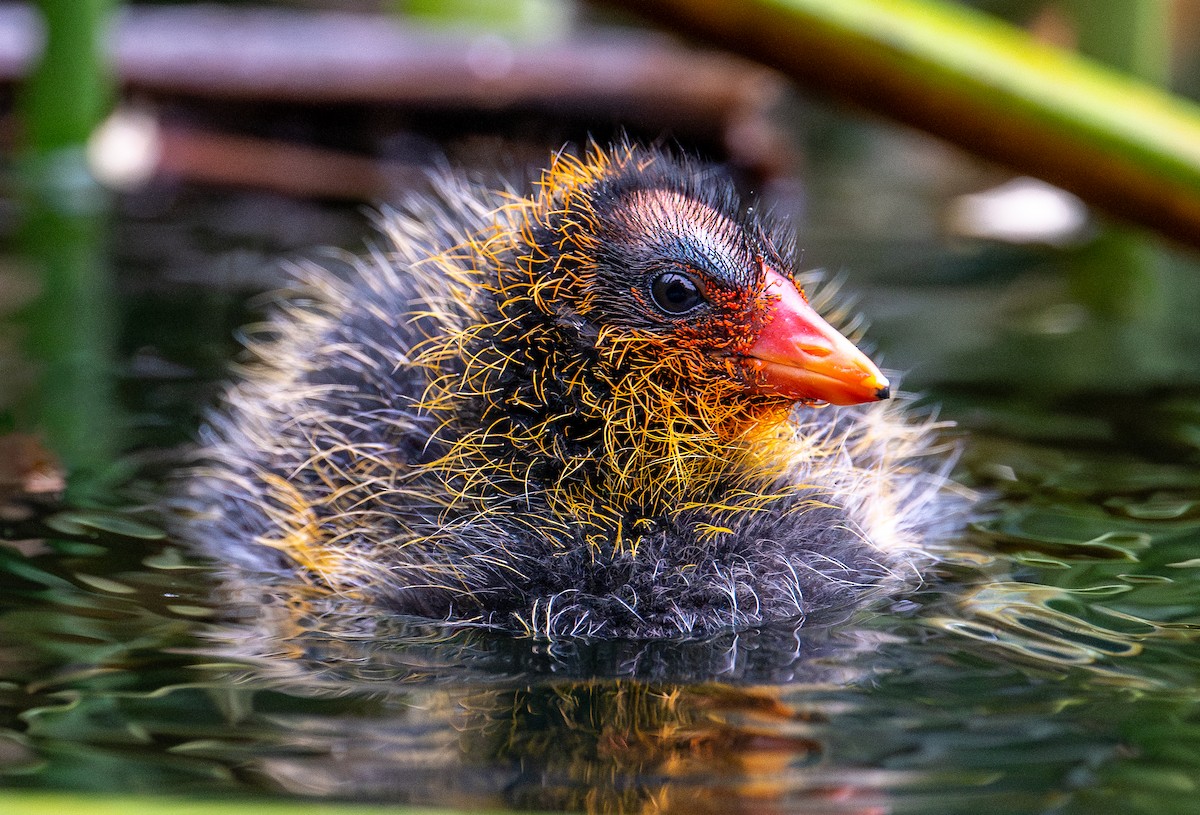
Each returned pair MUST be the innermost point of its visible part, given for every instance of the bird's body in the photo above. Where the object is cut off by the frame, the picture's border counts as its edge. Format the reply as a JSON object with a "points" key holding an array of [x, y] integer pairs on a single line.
{"points": [[569, 413]]}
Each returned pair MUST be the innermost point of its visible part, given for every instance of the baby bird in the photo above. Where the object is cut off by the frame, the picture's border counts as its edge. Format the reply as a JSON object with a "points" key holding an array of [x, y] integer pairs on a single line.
{"points": [[591, 411]]}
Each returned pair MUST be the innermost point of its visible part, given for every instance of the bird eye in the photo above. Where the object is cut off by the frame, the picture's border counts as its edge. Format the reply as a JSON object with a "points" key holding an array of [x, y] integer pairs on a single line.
{"points": [[676, 292]]}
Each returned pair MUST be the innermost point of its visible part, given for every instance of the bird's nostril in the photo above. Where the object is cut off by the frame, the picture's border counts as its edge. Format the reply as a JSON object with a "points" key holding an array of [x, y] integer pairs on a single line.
{"points": [[816, 350]]}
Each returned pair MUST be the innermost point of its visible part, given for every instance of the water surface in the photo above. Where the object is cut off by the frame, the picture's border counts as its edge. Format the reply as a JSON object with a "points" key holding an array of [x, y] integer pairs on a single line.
{"points": [[1049, 663]]}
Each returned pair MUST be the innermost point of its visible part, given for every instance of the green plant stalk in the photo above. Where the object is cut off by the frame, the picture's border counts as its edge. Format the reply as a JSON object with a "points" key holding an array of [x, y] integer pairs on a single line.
{"points": [[1125, 146], [71, 328], [72, 87]]}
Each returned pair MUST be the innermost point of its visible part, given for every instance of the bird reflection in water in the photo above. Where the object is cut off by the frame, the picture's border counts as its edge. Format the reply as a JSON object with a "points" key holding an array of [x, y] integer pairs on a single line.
{"points": [[475, 719]]}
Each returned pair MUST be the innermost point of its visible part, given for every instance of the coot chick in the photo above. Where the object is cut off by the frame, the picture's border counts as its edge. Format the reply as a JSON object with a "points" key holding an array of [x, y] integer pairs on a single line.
{"points": [[598, 410]]}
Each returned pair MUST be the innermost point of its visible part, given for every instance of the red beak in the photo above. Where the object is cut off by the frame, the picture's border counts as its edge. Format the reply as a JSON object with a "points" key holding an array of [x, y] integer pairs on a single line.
{"points": [[802, 357]]}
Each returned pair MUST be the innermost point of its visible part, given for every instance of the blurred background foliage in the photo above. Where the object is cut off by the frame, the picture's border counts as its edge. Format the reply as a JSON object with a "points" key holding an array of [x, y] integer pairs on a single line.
{"points": [[160, 159], [531, 74]]}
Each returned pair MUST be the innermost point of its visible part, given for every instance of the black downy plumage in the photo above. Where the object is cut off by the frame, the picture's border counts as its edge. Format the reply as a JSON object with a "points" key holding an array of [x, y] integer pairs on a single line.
{"points": [[595, 410]]}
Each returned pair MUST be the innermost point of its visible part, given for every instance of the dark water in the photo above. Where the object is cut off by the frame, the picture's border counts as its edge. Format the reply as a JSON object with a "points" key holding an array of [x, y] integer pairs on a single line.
{"points": [[1050, 664]]}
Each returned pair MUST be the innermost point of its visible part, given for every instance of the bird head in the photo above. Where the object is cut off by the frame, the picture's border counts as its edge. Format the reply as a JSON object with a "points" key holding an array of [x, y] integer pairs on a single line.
{"points": [[657, 254]]}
